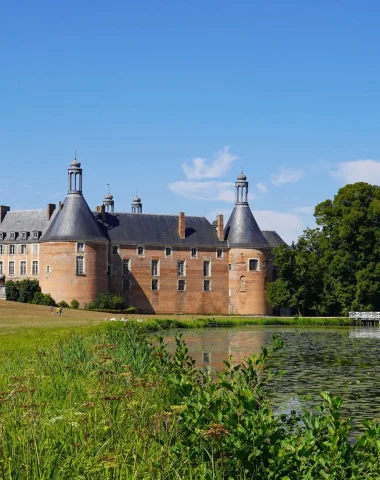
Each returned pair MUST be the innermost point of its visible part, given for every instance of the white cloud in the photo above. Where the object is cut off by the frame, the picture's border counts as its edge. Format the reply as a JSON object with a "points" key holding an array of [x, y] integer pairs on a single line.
{"points": [[288, 225], [261, 186], [304, 210], [210, 191], [357, 171], [201, 168], [286, 176]]}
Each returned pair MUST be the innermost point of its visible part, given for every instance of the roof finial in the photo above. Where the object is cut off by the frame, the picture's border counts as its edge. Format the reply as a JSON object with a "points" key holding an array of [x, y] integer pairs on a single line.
{"points": [[75, 155], [242, 169], [108, 188]]}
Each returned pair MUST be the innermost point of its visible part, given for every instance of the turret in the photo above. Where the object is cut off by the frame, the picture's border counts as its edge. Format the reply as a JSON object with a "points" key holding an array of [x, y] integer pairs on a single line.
{"points": [[136, 205]]}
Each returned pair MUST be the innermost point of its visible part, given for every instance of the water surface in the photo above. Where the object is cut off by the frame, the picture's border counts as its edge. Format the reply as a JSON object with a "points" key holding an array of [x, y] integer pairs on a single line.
{"points": [[344, 361]]}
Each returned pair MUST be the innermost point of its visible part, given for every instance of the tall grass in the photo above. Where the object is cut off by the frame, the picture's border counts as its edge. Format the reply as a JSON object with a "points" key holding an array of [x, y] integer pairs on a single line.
{"points": [[109, 405]]}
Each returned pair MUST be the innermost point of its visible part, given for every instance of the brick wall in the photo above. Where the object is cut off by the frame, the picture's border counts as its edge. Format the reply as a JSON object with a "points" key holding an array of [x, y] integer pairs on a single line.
{"points": [[168, 299], [62, 282], [247, 288]]}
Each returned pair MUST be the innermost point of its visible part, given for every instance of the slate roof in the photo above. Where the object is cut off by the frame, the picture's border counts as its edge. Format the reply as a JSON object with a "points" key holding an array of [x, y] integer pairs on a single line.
{"points": [[148, 229], [25, 221], [273, 238], [242, 229], [75, 222]]}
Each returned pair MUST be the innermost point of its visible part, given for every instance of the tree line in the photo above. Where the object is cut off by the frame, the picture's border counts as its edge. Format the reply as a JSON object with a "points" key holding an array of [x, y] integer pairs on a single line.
{"points": [[334, 268]]}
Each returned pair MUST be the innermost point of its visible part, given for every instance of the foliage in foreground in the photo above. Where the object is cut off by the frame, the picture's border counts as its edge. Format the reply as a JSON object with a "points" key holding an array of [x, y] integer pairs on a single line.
{"points": [[113, 406], [335, 267]]}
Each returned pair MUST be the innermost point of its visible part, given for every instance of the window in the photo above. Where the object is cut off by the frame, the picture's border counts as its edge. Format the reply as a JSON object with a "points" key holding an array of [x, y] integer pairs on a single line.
{"points": [[35, 249], [13, 235], [23, 267], [219, 253], [168, 251], [11, 249], [206, 268], [1, 249], [181, 285], [115, 249], [23, 235], [229, 266], [126, 284], [34, 267], [155, 284], [11, 268], [2, 235], [79, 267], [181, 268], [48, 269], [206, 285], [194, 253], [35, 235], [125, 266], [23, 249], [253, 264], [1, 268], [140, 250], [155, 268], [80, 247]]}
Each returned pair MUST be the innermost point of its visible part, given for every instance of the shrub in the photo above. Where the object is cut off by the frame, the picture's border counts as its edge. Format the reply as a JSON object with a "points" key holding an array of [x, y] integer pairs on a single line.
{"points": [[74, 303], [12, 290], [43, 299], [106, 301], [63, 304], [22, 291]]}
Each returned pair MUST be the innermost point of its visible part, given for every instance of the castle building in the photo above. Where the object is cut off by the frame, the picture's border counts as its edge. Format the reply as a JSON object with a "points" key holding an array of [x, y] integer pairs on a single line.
{"points": [[158, 263]]}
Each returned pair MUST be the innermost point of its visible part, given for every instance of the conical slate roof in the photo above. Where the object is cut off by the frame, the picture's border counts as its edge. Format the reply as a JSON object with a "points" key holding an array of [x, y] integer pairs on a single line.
{"points": [[75, 222], [242, 229]]}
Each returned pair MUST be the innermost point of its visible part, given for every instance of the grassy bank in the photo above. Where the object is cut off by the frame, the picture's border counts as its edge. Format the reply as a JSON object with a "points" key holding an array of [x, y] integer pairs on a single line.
{"points": [[109, 405]]}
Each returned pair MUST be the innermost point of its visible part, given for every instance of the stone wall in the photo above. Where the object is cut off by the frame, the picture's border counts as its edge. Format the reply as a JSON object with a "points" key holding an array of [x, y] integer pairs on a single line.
{"points": [[168, 299], [62, 282], [247, 287]]}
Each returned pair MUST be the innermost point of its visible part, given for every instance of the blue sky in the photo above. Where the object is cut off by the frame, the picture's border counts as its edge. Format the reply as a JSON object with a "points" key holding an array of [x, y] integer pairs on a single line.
{"points": [[170, 98]]}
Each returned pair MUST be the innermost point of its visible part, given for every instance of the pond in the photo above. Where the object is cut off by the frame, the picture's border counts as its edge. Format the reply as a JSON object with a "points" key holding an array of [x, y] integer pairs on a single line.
{"points": [[344, 361]]}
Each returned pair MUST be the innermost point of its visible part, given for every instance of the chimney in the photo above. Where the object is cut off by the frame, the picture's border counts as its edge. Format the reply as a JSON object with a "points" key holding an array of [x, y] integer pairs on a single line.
{"points": [[181, 225], [103, 213], [220, 227], [3, 211], [98, 208], [50, 210]]}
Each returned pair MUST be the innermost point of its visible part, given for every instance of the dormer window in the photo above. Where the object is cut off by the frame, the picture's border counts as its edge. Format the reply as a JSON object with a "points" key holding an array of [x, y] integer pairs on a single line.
{"points": [[36, 235], [24, 235], [2, 235], [13, 236]]}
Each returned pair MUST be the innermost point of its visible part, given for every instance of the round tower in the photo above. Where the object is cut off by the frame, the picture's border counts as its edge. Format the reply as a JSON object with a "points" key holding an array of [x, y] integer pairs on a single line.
{"points": [[136, 205], [250, 257], [73, 251]]}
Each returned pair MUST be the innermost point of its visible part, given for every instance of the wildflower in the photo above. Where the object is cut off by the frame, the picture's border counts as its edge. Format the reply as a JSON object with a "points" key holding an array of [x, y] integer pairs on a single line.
{"points": [[89, 405], [74, 424], [215, 430], [178, 408]]}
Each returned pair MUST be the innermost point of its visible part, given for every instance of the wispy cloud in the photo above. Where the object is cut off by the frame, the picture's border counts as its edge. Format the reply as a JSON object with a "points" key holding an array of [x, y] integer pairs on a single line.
{"points": [[357, 171], [262, 187], [286, 176], [210, 191], [304, 210], [201, 168]]}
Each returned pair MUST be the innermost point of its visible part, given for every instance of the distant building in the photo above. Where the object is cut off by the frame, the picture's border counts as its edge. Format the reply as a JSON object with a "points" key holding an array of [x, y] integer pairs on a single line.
{"points": [[158, 263]]}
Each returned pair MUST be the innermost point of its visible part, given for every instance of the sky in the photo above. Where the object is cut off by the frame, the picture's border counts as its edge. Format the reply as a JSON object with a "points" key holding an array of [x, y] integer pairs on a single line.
{"points": [[171, 99]]}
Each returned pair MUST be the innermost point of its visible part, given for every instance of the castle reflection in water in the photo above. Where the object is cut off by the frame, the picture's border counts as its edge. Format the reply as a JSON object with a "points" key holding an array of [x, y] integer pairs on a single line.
{"points": [[210, 348]]}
